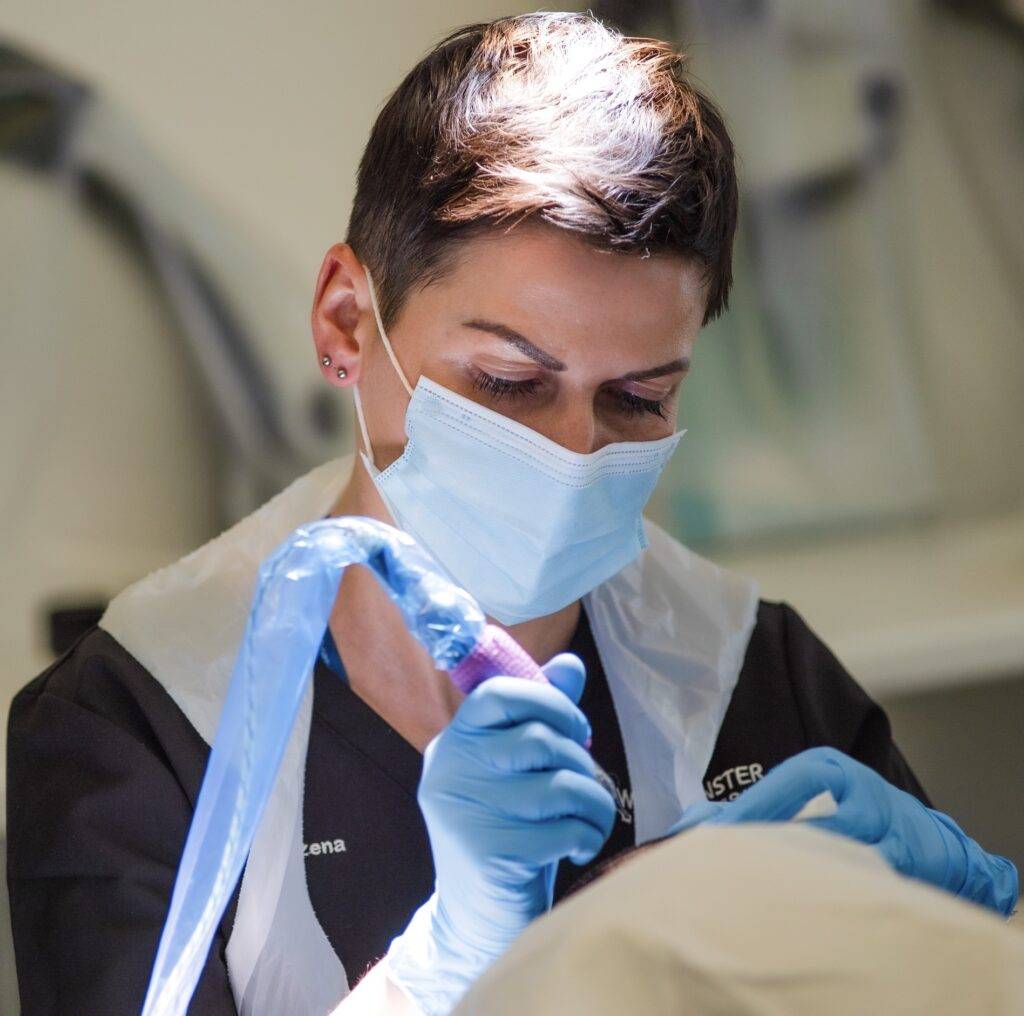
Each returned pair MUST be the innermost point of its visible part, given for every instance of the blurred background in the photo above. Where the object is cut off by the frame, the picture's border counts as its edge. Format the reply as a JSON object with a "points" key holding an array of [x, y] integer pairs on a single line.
{"points": [[171, 174]]}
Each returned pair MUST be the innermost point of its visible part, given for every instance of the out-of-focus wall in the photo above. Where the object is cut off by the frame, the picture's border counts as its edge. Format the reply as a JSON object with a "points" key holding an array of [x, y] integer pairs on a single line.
{"points": [[263, 105]]}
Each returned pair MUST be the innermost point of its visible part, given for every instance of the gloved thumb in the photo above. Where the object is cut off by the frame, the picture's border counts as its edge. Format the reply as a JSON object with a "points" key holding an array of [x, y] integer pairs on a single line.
{"points": [[567, 673]]}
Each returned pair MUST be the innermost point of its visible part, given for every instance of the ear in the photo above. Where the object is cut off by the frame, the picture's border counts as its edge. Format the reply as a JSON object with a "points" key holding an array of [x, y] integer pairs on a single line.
{"points": [[340, 304]]}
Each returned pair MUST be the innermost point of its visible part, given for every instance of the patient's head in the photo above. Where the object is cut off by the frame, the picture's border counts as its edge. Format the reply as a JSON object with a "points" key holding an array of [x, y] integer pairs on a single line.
{"points": [[610, 864], [752, 918]]}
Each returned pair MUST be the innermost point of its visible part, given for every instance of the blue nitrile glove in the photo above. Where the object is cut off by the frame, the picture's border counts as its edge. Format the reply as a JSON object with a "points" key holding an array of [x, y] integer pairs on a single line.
{"points": [[917, 841], [507, 791]]}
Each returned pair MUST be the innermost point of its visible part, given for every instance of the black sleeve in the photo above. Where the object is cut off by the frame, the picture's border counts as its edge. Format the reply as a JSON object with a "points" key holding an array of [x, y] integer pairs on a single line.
{"points": [[97, 812], [835, 711]]}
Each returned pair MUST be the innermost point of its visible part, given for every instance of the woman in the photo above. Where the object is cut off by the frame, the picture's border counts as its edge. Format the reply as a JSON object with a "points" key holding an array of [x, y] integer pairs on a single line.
{"points": [[543, 222]]}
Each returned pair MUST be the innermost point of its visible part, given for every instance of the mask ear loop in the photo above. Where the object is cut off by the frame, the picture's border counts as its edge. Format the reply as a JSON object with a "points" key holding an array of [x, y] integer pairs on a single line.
{"points": [[367, 455], [360, 417], [384, 335]]}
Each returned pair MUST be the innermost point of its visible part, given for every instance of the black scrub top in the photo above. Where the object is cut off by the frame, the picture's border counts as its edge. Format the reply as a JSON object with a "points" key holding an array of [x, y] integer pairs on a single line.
{"points": [[104, 771]]}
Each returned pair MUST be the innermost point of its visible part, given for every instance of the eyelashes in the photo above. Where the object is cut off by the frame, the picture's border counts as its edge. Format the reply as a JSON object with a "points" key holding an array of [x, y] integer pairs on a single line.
{"points": [[633, 405], [500, 388]]}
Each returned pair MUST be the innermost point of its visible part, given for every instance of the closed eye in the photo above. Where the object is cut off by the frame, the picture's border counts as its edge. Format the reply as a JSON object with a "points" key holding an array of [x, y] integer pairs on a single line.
{"points": [[634, 405], [626, 402]]}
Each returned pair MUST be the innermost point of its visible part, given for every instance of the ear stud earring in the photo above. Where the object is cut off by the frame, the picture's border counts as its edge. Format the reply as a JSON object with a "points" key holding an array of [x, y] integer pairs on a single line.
{"points": [[342, 373], [325, 360]]}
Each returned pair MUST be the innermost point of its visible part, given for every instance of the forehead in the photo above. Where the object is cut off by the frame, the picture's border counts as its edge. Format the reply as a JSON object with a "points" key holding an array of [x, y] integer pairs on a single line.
{"points": [[575, 300]]}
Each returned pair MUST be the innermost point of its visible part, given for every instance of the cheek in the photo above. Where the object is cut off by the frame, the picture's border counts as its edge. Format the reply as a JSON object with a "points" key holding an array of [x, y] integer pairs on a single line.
{"points": [[641, 428]]}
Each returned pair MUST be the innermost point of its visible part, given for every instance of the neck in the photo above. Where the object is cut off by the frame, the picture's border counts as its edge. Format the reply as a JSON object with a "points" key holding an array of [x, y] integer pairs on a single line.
{"points": [[384, 663]]}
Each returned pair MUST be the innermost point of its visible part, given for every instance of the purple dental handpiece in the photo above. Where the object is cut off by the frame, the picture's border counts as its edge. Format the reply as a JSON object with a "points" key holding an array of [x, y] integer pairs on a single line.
{"points": [[495, 652]]}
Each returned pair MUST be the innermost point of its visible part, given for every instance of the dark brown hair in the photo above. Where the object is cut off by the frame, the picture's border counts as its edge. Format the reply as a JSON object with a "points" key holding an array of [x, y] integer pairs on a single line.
{"points": [[553, 117]]}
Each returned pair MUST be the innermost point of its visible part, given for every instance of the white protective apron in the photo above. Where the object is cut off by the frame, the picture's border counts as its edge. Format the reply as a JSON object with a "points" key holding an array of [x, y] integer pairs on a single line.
{"points": [[671, 630]]}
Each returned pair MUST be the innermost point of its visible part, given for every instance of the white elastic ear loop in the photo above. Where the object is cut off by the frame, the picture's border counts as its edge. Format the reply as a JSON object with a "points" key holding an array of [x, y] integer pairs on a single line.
{"points": [[360, 416], [361, 420], [384, 334]]}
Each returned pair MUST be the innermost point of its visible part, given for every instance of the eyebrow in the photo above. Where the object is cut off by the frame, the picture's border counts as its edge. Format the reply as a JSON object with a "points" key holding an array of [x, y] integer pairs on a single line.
{"points": [[535, 353], [521, 342], [672, 367]]}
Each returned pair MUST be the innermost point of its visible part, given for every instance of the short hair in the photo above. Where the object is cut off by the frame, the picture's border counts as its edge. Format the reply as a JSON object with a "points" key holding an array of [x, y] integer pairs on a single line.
{"points": [[550, 117], [608, 865]]}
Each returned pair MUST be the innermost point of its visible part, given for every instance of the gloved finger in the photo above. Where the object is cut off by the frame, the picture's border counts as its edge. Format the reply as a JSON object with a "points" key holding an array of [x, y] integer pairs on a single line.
{"points": [[865, 814], [995, 881], [786, 789], [546, 842], [506, 701], [567, 673], [529, 747], [540, 797], [695, 815]]}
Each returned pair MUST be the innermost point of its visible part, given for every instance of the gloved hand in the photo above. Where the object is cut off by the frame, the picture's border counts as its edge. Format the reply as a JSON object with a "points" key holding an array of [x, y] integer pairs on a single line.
{"points": [[915, 840], [507, 791]]}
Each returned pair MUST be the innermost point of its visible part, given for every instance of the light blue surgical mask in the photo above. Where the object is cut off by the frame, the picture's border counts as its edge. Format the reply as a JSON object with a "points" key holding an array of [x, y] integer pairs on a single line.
{"points": [[521, 523]]}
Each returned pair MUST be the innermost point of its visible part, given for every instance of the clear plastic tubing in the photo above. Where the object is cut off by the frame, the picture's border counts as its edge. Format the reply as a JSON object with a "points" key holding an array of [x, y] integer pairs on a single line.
{"points": [[295, 593]]}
